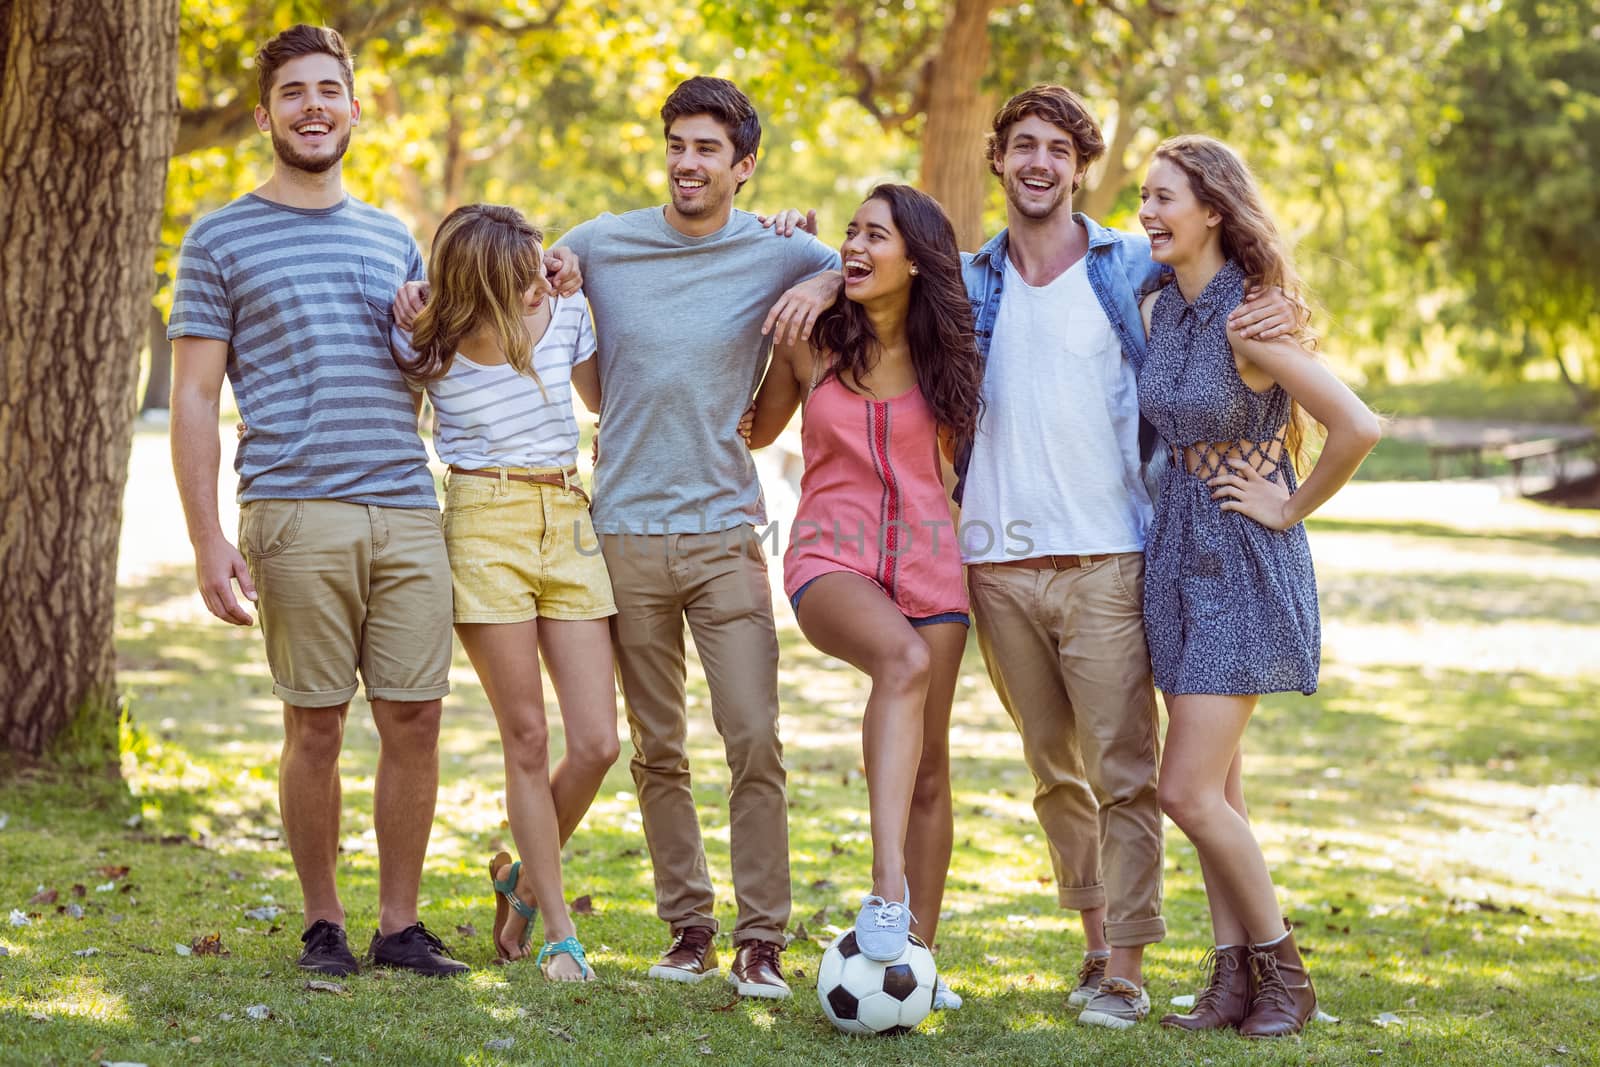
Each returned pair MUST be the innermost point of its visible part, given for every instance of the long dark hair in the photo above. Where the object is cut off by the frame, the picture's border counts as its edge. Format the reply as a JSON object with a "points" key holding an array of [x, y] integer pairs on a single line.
{"points": [[944, 352]]}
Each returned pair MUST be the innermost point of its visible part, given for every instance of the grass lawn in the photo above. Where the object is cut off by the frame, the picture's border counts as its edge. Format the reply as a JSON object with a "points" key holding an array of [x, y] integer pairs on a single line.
{"points": [[1430, 816]]}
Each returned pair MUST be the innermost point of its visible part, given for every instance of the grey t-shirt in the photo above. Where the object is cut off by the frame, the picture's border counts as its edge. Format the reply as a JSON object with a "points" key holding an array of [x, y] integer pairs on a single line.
{"points": [[678, 320], [302, 297]]}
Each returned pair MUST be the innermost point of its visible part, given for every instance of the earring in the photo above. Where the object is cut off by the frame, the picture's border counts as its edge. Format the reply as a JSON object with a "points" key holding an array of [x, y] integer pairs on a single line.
{"points": [[913, 270]]}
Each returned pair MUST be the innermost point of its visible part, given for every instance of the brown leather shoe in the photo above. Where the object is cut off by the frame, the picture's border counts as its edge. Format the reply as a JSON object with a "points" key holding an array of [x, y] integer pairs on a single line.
{"points": [[1281, 998], [690, 958], [756, 972], [1225, 1000]]}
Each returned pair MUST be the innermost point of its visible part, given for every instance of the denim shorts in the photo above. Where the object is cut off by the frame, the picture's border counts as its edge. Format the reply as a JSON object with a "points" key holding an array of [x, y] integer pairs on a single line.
{"points": [[523, 550]]}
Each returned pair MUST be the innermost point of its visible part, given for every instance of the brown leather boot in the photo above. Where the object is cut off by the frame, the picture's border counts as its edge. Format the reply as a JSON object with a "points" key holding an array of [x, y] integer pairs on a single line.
{"points": [[1225, 1000], [1281, 998]]}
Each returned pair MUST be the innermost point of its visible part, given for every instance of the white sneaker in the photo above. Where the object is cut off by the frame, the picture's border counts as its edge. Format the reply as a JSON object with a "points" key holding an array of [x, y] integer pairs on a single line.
{"points": [[945, 998]]}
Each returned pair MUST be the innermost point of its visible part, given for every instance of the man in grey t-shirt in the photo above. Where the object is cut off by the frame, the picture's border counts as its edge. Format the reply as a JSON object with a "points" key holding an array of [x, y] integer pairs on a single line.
{"points": [[680, 295]]}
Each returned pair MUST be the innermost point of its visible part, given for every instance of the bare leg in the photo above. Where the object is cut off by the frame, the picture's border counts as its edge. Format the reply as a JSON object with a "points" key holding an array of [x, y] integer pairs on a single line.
{"points": [[583, 672], [1226, 927], [403, 799], [932, 827], [847, 616], [309, 800], [506, 657], [1094, 930], [1202, 747]]}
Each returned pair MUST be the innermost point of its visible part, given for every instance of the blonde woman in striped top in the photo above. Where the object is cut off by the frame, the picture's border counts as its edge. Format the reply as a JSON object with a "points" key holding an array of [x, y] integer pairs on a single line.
{"points": [[500, 357]]}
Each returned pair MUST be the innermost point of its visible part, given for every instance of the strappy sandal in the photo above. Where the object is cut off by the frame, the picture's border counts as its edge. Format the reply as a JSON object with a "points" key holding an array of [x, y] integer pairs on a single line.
{"points": [[507, 901], [567, 946]]}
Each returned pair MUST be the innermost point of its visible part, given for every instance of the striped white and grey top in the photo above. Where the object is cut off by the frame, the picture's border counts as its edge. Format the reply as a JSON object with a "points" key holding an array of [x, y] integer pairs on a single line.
{"points": [[302, 297], [494, 416]]}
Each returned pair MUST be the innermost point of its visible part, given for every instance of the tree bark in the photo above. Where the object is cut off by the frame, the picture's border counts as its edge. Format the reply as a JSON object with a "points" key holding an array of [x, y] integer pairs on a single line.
{"points": [[959, 109], [88, 110]]}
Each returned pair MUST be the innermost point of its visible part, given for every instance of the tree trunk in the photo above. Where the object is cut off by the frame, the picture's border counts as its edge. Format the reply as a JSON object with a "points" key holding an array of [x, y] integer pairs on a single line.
{"points": [[158, 388], [88, 109], [959, 110]]}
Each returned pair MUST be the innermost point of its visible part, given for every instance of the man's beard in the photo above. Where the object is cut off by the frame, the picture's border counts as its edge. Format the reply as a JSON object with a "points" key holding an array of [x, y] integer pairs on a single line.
{"points": [[311, 165], [1016, 191]]}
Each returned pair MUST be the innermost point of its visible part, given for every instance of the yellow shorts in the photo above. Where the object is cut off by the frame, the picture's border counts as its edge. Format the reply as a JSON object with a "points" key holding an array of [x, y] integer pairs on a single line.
{"points": [[521, 550]]}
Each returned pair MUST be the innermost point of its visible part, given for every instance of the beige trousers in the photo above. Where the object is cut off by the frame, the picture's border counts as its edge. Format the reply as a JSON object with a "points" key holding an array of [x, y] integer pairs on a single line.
{"points": [[1066, 652], [718, 583]]}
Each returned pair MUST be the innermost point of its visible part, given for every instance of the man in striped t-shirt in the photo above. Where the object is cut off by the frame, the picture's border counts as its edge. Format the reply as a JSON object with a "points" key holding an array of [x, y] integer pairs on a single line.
{"points": [[286, 290]]}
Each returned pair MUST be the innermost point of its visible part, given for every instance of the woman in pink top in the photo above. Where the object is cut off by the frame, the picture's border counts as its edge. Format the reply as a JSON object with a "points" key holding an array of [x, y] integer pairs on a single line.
{"points": [[889, 381]]}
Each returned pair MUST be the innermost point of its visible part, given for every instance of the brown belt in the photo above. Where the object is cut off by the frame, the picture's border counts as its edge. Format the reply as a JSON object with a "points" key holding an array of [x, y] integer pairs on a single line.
{"points": [[1052, 563], [567, 479]]}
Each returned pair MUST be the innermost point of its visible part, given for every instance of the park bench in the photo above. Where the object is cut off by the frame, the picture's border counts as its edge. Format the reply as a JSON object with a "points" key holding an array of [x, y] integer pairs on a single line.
{"points": [[1554, 449]]}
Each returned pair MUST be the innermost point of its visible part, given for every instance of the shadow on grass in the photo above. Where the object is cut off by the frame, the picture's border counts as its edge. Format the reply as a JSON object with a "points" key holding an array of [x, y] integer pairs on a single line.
{"points": [[1565, 544]]}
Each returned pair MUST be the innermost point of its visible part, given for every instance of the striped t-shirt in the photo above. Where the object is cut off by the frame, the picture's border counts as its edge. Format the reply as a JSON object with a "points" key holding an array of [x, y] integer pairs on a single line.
{"points": [[494, 416], [302, 297]]}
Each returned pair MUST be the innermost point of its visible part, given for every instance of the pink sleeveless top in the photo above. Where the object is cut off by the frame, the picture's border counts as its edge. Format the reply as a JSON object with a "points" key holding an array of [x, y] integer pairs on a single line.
{"points": [[872, 501]]}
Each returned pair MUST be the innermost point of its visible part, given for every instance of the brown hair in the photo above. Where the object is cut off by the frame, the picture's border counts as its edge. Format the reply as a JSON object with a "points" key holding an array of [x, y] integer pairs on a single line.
{"points": [[939, 329], [723, 101], [1058, 106], [297, 41], [485, 256], [1221, 181]]}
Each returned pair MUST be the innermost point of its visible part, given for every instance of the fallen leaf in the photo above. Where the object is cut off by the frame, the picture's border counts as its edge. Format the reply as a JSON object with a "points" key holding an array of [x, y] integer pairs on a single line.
{"points": [[91, 951], [235, 876], [74, 911], [1324, 1017], [105, 888], [132, 822], [265, 913], [78, 890], [226, 1017], [3, 820], [112, 873], [1185, 1000], [800, 933], [19, 918], [325, 987], [1586, 977], [196, 1039], [4, 951], [44, 896], [258, 1012], [705, 1049], [209, 945], [583, 906], [467, 930], [41, 1017], [821, 884], [183, 950], [561, 1035], [499, 1044], [1388, 1018]]}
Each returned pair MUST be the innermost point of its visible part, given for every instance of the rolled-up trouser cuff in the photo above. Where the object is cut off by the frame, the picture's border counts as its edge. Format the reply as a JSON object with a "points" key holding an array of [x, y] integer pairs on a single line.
{"points": [[1136, 932], [774, 937], [1081, 897], [300, 698]]}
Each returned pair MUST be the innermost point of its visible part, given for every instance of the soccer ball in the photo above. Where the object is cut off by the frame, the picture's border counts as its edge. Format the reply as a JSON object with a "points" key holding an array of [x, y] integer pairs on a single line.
{"points": [[862, 996]]}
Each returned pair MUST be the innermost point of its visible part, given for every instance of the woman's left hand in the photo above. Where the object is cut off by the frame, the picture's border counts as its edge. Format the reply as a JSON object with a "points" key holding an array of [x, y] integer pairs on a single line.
{"points": [[1252, 494]]}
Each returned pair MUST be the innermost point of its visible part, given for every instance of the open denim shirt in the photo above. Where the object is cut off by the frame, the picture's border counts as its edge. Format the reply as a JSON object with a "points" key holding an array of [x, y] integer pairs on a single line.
{"points": [[1121, 273]]}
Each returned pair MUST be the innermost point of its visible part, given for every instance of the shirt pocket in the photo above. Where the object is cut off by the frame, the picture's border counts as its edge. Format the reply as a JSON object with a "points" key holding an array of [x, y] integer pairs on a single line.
{"points": [[380, 281]]}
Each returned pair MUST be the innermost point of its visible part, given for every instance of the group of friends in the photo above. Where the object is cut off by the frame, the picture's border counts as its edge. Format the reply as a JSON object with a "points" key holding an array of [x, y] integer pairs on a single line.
{"points": [[1082, 442]]}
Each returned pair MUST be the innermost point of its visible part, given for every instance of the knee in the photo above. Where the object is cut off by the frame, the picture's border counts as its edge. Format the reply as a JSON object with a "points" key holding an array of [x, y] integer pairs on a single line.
{"points": [[593, 752], [905, 667], [526, 741], [410, 726], [1188, 804], [315, 735]]}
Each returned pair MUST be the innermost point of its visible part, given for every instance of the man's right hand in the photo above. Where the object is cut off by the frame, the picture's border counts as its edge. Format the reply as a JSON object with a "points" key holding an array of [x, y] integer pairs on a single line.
{"points": [[408, 303], [217, 566]]}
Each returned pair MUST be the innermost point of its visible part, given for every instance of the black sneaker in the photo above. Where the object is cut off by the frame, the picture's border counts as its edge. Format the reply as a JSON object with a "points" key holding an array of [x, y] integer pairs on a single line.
{"points": [[327, 951], [414, 949]]}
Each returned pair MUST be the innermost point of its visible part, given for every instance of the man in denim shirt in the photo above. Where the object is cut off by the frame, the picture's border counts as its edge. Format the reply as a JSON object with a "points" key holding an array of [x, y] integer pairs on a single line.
{"points": [[1055, 512]]}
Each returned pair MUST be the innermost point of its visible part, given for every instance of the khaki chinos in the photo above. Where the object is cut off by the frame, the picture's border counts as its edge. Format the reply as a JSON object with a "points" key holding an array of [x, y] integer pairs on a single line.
{"points": [[718, 583], [1066, 651]]}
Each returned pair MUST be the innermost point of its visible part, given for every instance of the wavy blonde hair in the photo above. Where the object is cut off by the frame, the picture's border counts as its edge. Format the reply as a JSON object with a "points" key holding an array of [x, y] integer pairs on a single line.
{"points": [[485, 256], [1221, 181]]}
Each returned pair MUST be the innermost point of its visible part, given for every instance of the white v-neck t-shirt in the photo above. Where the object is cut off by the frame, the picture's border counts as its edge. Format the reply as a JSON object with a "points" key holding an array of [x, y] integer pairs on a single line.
{"points": [[1055, 464]]}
